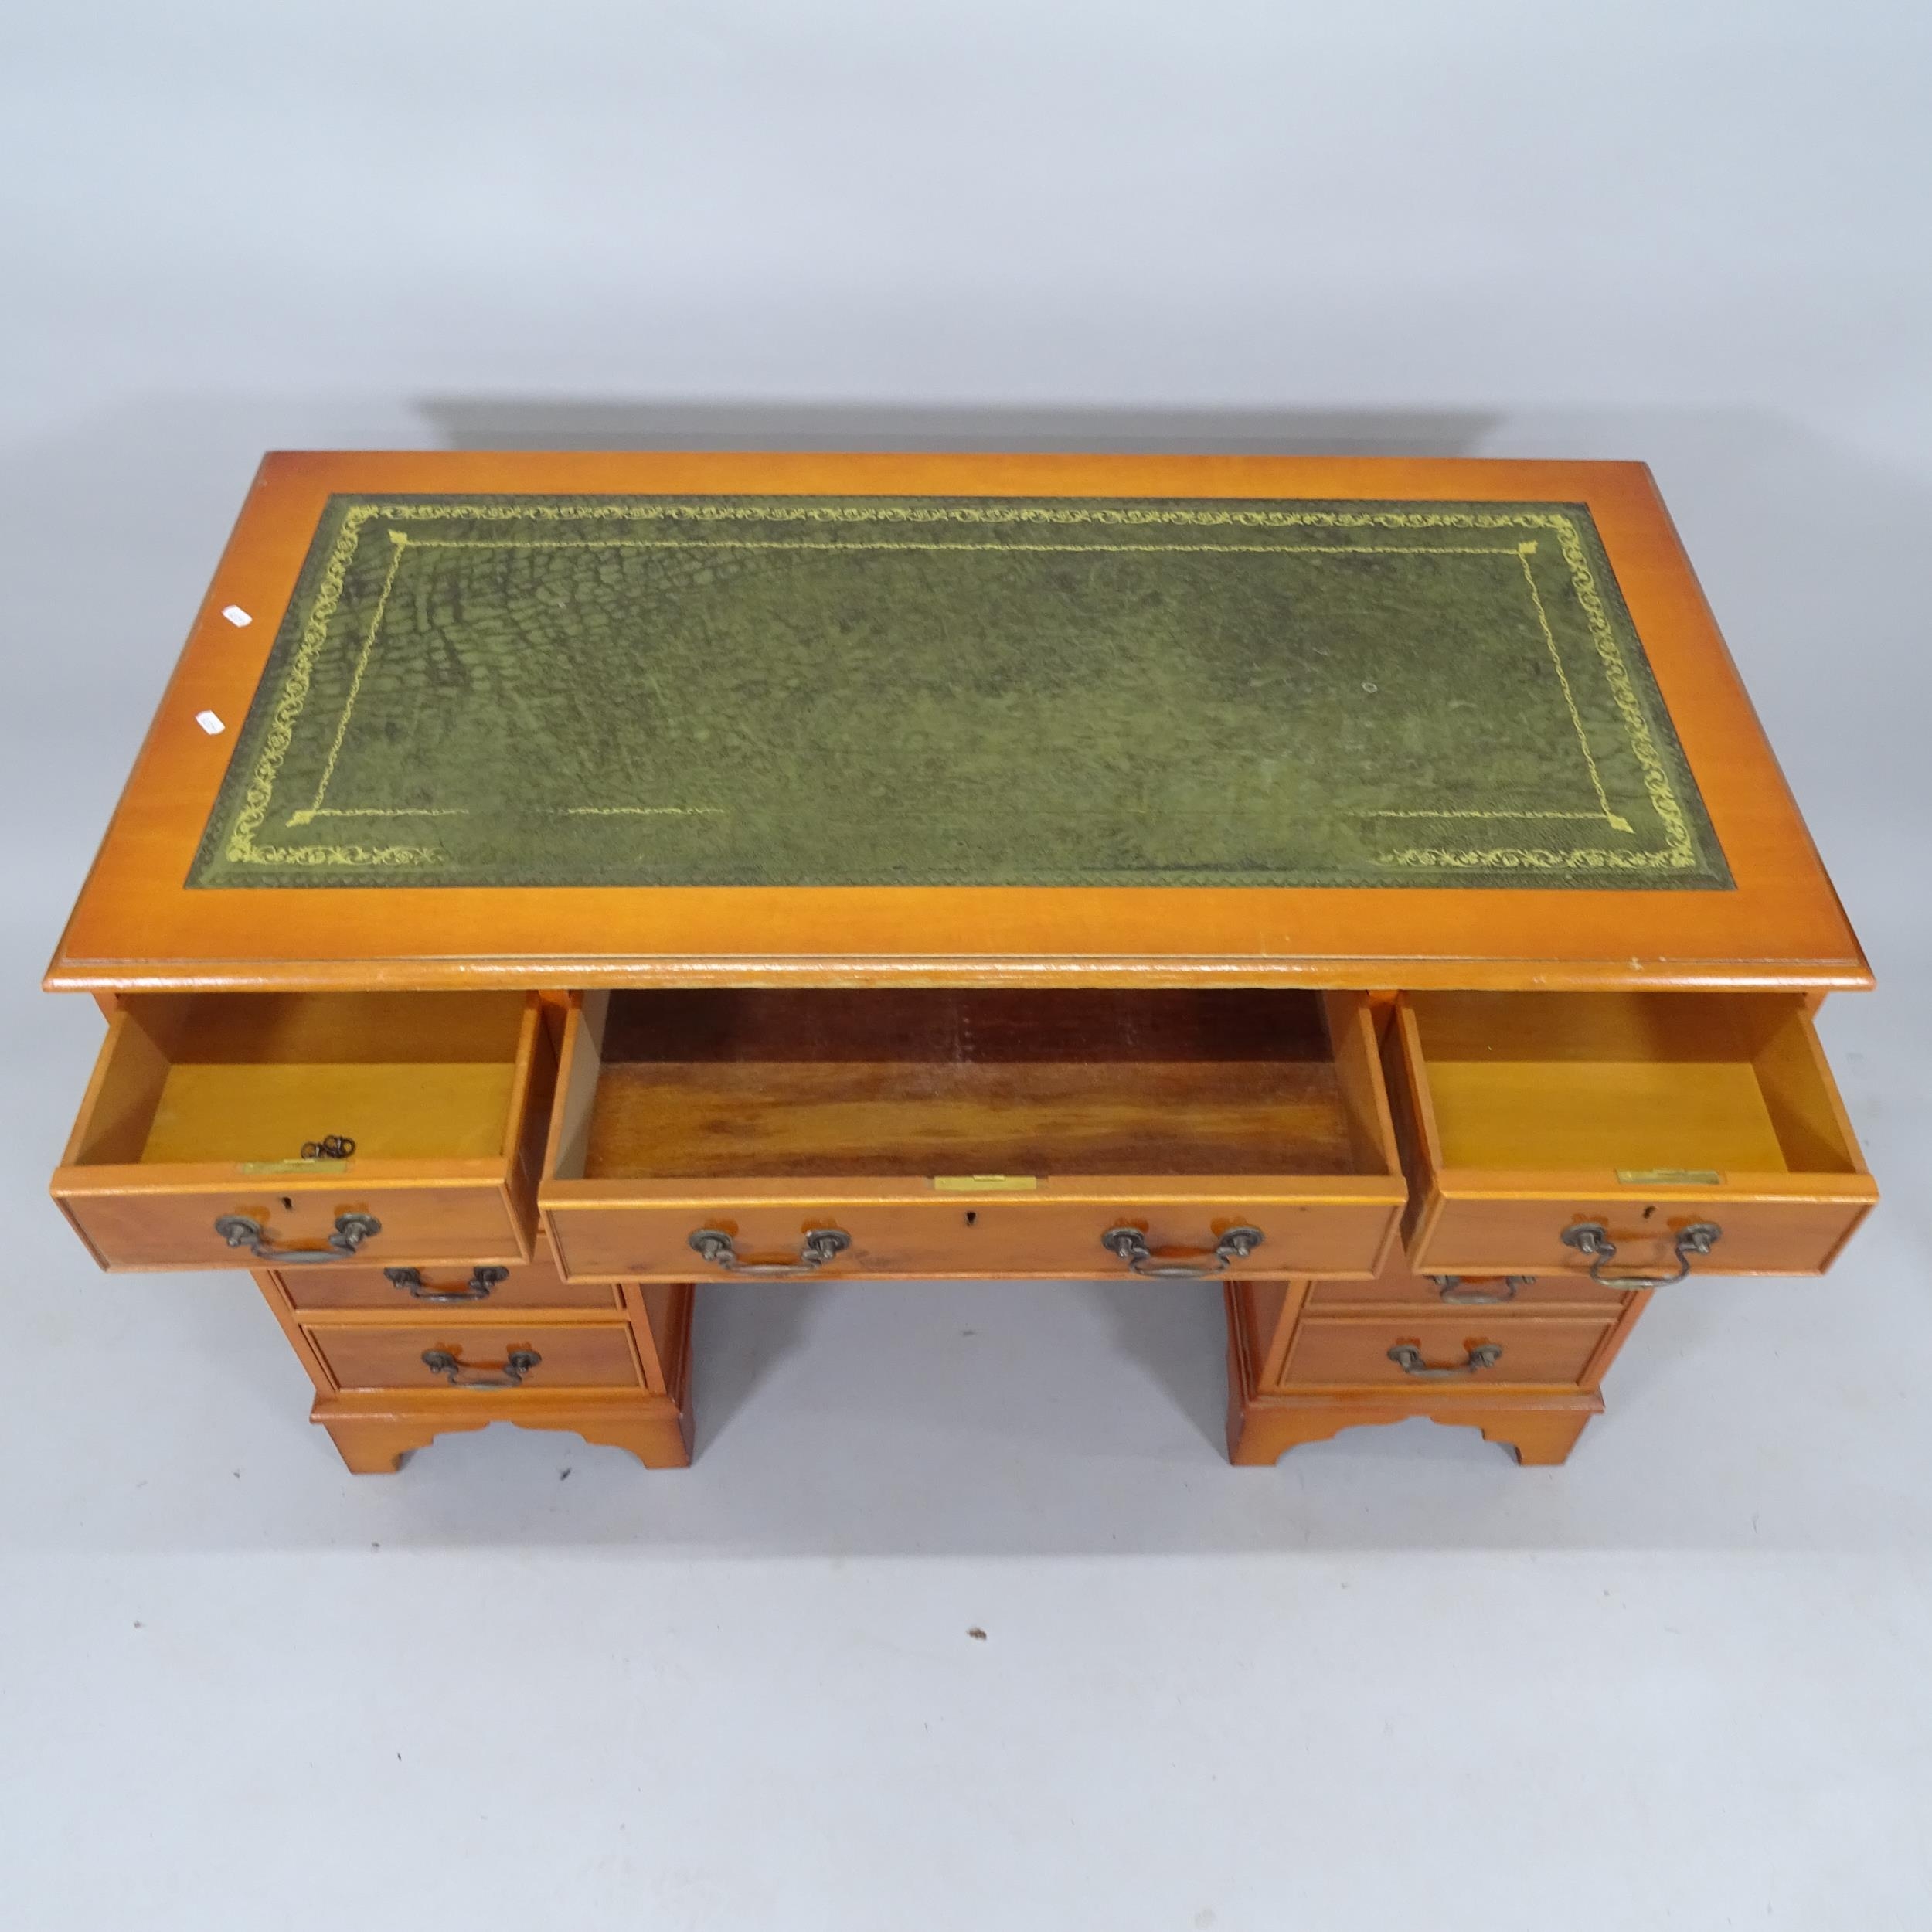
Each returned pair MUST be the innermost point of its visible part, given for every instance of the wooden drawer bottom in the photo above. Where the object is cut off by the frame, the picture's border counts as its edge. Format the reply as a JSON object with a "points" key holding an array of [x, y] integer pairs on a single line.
{"points": [[1471, 1348], [585, 1355], [481, 1286], [1396, 1286]]}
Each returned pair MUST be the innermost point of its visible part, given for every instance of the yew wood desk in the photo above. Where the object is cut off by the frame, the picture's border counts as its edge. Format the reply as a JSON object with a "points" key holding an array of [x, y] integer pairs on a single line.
{"points": [[552, 882]]}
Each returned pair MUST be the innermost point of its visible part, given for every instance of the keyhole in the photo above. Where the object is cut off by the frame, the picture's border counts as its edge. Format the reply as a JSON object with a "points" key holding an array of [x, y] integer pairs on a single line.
{"points": [[1649, 1211], [972, 1215], [288, 1204]]}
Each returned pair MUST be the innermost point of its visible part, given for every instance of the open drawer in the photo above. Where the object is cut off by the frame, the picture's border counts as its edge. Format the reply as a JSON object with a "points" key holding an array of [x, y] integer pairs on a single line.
{"points": [[1632, 1137], [923, 1133], [188, 1152]]}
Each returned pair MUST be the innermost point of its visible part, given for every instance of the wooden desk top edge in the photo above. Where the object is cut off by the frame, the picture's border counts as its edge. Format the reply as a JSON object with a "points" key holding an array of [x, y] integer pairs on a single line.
{"points": [[136, 927]]}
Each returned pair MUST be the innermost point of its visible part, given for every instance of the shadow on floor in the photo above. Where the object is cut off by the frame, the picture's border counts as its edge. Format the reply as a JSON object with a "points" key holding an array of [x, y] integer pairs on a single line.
{"points": [[621, 423]]}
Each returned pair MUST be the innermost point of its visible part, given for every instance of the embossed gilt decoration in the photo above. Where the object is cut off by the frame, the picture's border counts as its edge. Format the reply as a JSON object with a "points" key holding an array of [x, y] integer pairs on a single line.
{"points": [[731, 691]]}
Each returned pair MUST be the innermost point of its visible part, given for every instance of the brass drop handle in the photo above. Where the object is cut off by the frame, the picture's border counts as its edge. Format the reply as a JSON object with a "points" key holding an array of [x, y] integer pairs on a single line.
{"points": [[1592, 1238], [516, 1365], [1452, 1287], [242, 1231], [1130, 1245], [1408, 1358], [820, 1246], [477, 1288]]}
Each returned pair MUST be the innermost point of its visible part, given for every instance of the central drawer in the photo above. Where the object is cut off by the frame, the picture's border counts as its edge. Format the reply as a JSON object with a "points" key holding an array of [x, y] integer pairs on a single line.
{"points": [[929, 1133]]}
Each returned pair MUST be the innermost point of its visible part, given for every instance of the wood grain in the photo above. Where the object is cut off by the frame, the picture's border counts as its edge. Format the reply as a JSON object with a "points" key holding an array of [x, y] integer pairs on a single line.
{"points": [[447, 1147], [1398, 1285], [137, 925], [375, 1428], [1537, 1425], [1538, 1351], [778, 1059], [706, 1086], [582, 1355], [912, 1118], [374, 1432], [535, 1284], [857, 1144], [1511, 1149]]}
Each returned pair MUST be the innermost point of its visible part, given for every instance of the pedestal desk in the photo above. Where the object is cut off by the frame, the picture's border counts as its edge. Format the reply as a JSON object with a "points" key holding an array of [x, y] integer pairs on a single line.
{"points": [[553, 881]]}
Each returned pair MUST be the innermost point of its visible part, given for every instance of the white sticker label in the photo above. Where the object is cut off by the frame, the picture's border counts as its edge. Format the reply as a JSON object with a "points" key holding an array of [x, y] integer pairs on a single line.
{"points": [[210, 723], [237, 616]]}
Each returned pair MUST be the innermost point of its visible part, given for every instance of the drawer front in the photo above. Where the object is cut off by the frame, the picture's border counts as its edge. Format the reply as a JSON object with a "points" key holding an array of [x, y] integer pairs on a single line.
{"points": [[584, 1355], [1400, 1288], [424, 1112], [1754, 1237], [1473, 1351], [483, 1286], [956, 1236], [1695, 1133], [449, 1224]]}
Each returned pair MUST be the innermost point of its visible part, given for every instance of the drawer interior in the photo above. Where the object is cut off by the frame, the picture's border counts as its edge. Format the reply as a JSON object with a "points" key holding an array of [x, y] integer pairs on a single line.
{"points": [[902, 1083], [1642, 1083], [253, 1077]]}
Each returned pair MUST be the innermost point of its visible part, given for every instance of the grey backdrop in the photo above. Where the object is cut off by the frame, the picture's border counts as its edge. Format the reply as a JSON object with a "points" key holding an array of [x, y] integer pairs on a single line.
{"points": [[1394, 1680]]}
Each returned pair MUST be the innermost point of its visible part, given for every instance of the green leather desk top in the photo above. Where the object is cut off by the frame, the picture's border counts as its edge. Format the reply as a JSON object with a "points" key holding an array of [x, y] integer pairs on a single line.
{"points": [[490, 690], [567, 719]]}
